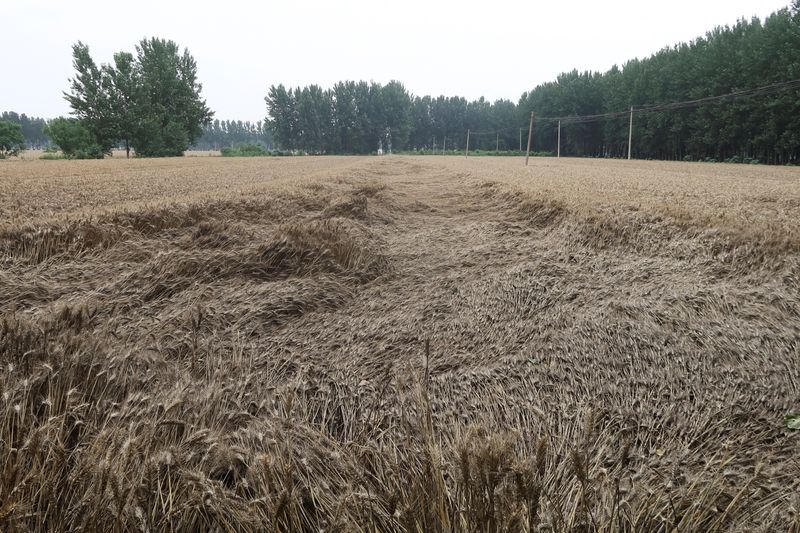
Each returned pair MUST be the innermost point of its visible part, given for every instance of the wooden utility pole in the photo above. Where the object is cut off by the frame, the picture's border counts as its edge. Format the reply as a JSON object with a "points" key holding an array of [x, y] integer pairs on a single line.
{"points": [[559, 139], [520, 139], [497, 142], [466, 150], [530, 136], [630, 135], [444, 144]]}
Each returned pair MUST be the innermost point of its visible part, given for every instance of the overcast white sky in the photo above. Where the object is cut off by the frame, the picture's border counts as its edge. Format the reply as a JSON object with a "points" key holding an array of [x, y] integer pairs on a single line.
{"points": [[496, 49]]}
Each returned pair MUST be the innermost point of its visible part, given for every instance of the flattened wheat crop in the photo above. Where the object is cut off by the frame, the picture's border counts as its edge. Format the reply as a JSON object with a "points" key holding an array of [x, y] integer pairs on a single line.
{"points": [[398, 344]]}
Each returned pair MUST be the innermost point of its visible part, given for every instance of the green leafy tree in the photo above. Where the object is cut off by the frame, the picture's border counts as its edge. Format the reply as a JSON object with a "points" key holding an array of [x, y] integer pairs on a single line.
{"points": [[314, 118], [90, 99], [123, 86], [395, 104], [12, 141], [368, 129], [74, 138], [150, 101], [344, 116], [502, 120], [421, 134], [170, 113], [282, 116]]}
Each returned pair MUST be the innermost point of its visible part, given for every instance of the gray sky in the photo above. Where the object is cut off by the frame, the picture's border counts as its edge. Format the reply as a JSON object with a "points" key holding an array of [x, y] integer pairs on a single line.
{"points": [[496, 49]]}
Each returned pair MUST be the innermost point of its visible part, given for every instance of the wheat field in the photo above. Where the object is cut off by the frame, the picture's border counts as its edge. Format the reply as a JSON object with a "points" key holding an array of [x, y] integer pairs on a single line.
{"points": [[409, 344]]}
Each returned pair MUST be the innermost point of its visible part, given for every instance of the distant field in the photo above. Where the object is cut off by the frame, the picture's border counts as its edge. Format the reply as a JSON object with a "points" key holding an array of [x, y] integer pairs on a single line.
{"points": [[398, 344]]}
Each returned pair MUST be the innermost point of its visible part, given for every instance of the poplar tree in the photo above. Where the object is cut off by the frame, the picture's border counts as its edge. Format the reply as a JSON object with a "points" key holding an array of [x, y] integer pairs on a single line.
{"points": [[90, 99], [150, 101]]}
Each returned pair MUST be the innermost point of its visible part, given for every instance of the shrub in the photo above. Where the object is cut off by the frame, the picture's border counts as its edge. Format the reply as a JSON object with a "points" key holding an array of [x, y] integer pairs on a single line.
{"points": [[74, 139], [93, 151], [245, 150]]}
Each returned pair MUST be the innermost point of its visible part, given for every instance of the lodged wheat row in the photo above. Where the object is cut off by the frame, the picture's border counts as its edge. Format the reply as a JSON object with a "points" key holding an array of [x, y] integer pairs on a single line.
{"points": [[398, 344]]}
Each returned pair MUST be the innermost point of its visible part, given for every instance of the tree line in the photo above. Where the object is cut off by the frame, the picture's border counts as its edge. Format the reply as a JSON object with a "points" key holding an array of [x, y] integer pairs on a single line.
{"points": [[32, 128], [748, 55], [215, 135], [221, 134], [150, 101], [361, 117]]}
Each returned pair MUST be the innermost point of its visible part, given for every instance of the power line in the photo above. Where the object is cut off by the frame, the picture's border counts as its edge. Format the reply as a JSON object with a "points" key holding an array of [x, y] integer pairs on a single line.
{"points": [[686, 104], [758, 91], [653, 108], [494, 132]]}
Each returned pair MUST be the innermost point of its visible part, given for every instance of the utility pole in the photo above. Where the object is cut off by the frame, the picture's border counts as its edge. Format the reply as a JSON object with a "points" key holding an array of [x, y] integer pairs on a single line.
{"points": [[497, 142], [520, 140], [466, 151], [630, 135], [530, 135], [559, 139], [444, 145]]}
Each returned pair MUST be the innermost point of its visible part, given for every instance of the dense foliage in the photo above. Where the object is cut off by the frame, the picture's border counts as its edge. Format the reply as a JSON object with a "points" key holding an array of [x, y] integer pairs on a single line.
{"points": [[361, 117], [749, 55], [32, 128], [150, 101], [74, 138], [221, 134], [12, 141]]}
